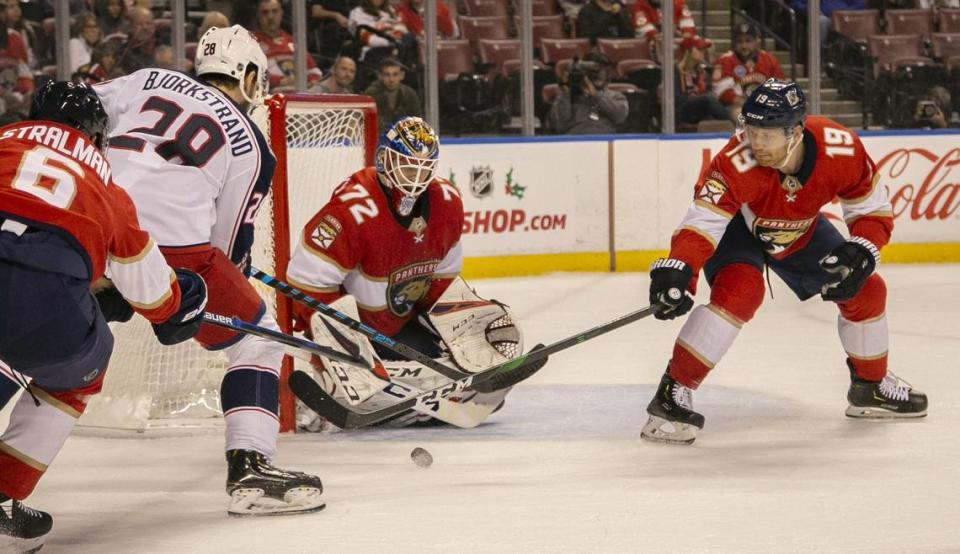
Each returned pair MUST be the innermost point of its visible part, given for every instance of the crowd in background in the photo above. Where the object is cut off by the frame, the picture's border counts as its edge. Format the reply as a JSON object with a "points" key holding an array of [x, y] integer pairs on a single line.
{"points": [[596, 69]]}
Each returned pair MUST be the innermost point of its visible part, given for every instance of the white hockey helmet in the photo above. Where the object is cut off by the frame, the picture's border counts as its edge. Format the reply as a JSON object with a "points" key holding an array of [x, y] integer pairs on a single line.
{"points": [[229, 51]]}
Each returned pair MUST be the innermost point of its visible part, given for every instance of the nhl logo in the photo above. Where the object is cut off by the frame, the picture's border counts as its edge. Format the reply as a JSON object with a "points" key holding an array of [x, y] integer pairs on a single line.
{"points": [[481, 181]]}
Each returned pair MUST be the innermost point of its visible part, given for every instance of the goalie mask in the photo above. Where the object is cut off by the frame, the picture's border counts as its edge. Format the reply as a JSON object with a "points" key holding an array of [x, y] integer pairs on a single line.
{"points": [[768, 121], [407, 160], [231, 51]]}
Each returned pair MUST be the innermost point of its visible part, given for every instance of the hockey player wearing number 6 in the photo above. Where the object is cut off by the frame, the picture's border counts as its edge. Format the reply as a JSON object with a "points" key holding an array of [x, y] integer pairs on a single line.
{"points": [[63, 224], [758, 204], [386, 250], [197, 169]]}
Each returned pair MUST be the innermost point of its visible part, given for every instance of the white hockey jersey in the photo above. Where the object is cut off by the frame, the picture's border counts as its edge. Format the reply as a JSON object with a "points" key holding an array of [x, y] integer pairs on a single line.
{"points": [[195, 165]]}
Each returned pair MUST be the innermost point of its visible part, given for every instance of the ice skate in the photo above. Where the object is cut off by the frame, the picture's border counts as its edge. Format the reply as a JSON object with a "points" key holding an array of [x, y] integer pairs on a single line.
{"points": [[887, 399], [22, 529], [257, 488], [672, 419]]}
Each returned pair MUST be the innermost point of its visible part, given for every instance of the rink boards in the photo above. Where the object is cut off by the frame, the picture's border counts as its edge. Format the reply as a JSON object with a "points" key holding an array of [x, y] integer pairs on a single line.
{"points": [[601, 203]]}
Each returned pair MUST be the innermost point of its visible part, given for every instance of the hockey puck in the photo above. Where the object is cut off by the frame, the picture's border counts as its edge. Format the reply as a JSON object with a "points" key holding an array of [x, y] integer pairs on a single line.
{"points": [[421, 457]]}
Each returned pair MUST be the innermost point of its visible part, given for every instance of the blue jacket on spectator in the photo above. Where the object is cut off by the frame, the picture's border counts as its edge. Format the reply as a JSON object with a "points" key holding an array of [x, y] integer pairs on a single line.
{"points": [[827, 7]]}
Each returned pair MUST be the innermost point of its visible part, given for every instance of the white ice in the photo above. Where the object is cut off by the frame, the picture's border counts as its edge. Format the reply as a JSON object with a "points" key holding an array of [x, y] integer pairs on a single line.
{"points": [[778, 467]]}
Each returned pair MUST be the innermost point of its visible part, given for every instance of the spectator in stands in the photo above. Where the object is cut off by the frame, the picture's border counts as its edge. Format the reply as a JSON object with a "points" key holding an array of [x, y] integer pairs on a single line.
{"points": [[213, 19], [571, 9], [340, 79], [163, 57], [331, 26], [645, 17], [738, 71], [137, 52], [394, 99], [604, 19], [934, 110], [411, 14], [380, 31], [585, 106], [278, 45], [695, 101], [86, 36], [102, 66], [16, 80], [30, 32], [112, 16]]}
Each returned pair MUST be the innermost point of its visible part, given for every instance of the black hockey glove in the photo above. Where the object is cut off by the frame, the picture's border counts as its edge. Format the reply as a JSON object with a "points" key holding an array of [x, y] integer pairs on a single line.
{"points": [[851, 263], [113, 305], [184, 324], [669, 279]]}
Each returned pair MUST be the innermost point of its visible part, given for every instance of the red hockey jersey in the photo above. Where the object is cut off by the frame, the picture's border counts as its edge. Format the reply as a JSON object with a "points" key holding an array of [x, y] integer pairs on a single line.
{"points": [[279, 51], [780, 210], [53, 177], [645, 19], [730, 73], [355, 245]]}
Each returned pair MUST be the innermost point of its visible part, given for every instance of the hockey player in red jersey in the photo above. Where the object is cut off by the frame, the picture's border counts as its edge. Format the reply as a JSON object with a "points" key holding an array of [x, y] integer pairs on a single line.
{"points": [[758, 205], [197, 169], [63, 225], [387, 247]]}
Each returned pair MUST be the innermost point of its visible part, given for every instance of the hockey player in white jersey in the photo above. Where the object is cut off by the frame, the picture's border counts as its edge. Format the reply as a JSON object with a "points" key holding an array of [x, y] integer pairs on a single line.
{"points": [[197, 169]]}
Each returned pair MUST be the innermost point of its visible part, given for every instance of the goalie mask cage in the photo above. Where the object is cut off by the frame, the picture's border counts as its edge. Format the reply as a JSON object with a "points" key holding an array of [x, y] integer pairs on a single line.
{"points": [[319, 140]]}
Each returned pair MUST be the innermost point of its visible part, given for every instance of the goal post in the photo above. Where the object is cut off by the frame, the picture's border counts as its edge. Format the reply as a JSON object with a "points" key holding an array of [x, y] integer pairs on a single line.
{"points": [[318, 140]]}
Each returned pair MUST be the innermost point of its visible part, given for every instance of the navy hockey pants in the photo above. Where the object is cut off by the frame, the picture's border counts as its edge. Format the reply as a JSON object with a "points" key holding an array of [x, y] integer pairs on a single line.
{"points": [[51, 328], [801, 270]]}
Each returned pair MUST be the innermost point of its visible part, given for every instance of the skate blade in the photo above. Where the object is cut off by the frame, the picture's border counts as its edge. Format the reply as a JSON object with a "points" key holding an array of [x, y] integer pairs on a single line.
{"points": [[21, 546], [876, 412], [253, 502], [663, 431]]}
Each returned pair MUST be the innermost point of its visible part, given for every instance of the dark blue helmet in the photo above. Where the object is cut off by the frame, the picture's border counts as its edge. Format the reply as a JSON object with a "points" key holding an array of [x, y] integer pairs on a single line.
{"points": [[775, 104], [73, 104]]}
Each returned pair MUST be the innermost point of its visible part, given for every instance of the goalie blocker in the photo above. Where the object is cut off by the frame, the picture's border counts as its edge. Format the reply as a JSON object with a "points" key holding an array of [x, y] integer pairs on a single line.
{"points": [[473, 333]]}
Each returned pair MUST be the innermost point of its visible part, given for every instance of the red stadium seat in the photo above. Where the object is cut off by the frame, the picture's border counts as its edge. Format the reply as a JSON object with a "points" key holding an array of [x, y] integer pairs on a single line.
{"points": [[894, 51], [548, 26], [556, 49], [550, 92], [486, 7], [620, 49], [949, 20], [909, 22], [453, 58], [496, 52], [540, 7], [945, 45], [489, 27], [626, 67], [625, 88], [857, 25]]}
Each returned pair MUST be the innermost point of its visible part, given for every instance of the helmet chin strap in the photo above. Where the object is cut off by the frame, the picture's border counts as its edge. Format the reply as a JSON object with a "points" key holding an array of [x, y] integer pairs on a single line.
{"points": [[791, 147]]}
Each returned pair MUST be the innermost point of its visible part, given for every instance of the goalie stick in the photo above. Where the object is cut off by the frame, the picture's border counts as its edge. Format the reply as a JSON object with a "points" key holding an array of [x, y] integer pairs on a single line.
{"points": [[311, 394], [400, 348], [301, 344]]}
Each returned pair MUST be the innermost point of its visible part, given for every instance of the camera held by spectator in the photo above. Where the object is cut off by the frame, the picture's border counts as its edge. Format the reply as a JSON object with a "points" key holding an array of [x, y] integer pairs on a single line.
{"points": [[933, 109], [585, 105]]}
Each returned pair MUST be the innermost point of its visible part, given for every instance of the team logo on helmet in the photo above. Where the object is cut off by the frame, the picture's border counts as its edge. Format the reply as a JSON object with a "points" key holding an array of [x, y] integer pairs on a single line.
{"points": [[481, 181], [416, 138], [407, 285], [792, 97]]}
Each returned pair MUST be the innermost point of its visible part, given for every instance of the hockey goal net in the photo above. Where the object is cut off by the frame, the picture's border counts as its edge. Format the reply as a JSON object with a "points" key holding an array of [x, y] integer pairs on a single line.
{"points": [[318, 140]]}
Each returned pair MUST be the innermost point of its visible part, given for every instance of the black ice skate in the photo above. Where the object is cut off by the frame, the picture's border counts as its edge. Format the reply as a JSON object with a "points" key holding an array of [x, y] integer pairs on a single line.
{"points": [[22, 529], [890, 398], [672, 419], [257, 488]]}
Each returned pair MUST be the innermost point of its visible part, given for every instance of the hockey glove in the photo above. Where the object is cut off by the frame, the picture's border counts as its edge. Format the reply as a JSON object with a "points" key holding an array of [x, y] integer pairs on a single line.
{"points": [[851, 263], [113, 305], [669, 280], [184, 324]]}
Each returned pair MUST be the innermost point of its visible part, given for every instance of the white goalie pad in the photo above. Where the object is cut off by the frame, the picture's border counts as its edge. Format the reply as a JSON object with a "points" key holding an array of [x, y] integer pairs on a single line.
{"points": [[478, 332], [343, 381]]}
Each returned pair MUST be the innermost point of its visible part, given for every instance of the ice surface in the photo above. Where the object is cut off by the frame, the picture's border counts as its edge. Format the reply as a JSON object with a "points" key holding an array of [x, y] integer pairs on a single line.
{"points": [[778, 467]]}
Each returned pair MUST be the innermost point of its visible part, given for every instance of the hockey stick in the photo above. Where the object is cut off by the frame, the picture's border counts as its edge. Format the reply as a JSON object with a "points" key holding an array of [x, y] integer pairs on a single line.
{"points": [[308, 391], [402, 349], [283, 338]]}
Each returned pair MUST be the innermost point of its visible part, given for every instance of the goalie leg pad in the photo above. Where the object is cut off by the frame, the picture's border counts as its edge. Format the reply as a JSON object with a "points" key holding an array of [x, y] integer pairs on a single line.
{"points": [[479, 333]]}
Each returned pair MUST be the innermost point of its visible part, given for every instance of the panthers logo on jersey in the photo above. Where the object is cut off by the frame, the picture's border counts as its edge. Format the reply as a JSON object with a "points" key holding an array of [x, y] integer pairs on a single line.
{"points": [[777, 235], [407, 285]]}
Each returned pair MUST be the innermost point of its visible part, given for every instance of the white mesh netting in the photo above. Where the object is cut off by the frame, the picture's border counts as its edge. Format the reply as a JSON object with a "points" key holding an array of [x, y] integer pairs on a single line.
{"points": [[152, 387]]}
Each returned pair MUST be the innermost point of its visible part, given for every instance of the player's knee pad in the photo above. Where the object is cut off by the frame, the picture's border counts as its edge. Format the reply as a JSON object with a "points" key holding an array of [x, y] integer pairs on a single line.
{"points": [[869, 303], [738, 290], [257, 351]]}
